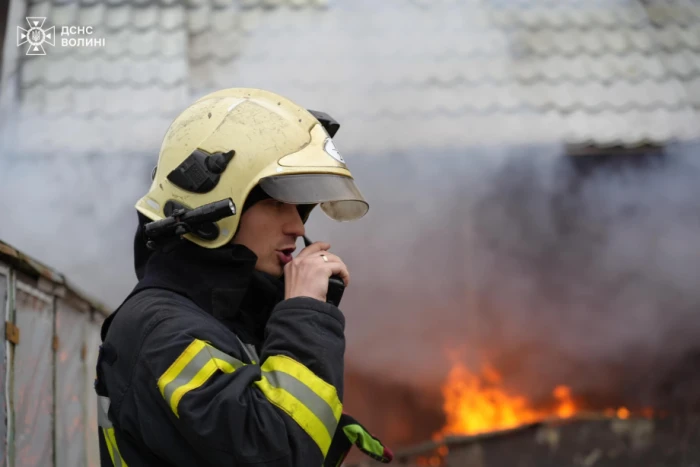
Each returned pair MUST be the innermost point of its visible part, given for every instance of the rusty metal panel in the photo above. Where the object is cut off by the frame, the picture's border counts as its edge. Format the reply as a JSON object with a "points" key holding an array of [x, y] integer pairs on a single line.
{"points": [[4, 308], [49, 280], [33, 378], [70, 387], [92, 347], [585, 441], [596, 441]]}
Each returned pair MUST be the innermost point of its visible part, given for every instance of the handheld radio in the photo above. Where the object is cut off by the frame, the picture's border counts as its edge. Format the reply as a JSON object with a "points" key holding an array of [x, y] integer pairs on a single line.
{"points": [[336, 286]]}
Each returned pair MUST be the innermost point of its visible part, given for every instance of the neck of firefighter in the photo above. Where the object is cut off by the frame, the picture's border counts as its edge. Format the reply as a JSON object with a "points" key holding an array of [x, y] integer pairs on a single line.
{"points": [[270, 228]]}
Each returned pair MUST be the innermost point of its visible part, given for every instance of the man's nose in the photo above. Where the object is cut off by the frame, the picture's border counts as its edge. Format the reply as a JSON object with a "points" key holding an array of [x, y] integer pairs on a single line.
{"points": [[294, 225]]}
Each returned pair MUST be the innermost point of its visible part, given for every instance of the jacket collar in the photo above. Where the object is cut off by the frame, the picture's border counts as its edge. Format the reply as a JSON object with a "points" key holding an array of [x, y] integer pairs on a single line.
{"points": [[222, 281], [215, 279]]}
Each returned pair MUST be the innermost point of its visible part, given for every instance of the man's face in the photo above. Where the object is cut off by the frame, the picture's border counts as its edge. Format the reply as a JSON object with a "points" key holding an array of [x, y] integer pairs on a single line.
{"points": [[270, 229]]}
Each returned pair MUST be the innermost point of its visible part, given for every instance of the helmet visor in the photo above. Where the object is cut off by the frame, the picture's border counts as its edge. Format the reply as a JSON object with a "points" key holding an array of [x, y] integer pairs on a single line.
{"points": [[338, 196]]}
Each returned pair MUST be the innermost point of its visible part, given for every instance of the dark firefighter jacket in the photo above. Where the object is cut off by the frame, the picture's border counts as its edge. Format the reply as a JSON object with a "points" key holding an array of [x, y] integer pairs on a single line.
{"points": [[205, 364]]}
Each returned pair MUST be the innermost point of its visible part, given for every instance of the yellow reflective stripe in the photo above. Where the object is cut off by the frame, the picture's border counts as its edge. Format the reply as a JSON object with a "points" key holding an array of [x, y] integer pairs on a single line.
{"points": [[301, 414], [178, 365], [109, 444], [310, 401], [112, 447], [324, 390], [224, 366], [197, 380], [103, 421], [192, 369]]}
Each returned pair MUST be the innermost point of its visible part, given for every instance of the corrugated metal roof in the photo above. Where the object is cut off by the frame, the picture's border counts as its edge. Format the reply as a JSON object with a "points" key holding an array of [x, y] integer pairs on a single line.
{"points": [[442, 74], [12, 256], [120, 98], [458, 73]]}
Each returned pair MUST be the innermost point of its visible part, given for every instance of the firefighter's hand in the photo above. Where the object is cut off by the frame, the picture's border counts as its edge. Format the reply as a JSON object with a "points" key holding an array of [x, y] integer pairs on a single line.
{"points": [[307, 275]]}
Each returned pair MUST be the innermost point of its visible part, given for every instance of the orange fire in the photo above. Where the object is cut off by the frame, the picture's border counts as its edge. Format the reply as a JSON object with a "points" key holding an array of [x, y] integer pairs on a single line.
{"points": [[478, 403], [475, 404]]}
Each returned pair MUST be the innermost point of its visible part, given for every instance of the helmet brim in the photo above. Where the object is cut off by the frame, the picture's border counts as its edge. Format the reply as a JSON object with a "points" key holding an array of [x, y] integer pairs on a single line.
{"points": [[337, 195]]}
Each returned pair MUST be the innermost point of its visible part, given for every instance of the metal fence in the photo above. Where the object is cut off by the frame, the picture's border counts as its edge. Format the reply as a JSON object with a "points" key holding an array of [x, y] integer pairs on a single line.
{"points": [[52, 335]]}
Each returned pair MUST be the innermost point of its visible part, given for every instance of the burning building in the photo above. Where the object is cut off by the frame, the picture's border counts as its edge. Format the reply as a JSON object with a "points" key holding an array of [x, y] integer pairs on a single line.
{"points": [[574, 311]]}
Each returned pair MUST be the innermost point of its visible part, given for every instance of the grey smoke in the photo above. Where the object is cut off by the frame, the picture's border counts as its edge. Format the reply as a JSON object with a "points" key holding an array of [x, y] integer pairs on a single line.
{"points": [[514, 258], [504, 255], [76, 215]]}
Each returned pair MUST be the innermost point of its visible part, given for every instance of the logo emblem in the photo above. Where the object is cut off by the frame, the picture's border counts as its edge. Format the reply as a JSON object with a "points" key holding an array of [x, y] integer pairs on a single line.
{"points": [[332, 151], [36, 36]]}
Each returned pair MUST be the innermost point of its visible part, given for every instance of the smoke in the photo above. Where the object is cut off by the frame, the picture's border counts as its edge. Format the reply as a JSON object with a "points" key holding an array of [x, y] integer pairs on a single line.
{"points": [[519, 258], [76, 214], [590, 282], [514, 257]]}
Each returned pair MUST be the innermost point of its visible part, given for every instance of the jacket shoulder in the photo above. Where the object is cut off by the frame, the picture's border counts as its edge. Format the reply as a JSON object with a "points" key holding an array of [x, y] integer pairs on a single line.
{"points": [[144, 310], [145, 314], [141, 325]]}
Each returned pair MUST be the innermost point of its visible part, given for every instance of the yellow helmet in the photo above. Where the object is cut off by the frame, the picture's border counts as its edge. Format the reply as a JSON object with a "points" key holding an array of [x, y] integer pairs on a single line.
{"points": [[230, 141]]}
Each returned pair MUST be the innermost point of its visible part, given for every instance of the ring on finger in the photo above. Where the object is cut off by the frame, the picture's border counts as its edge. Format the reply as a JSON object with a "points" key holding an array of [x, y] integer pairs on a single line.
{"points": [[324, 258]]}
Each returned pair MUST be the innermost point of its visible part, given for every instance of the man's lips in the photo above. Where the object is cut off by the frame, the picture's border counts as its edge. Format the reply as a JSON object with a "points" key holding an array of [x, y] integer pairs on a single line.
{"points": [[285, 255]]}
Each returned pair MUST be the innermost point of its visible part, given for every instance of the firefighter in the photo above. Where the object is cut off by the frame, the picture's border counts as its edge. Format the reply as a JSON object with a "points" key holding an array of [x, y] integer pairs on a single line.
{"points": [[227, 351]]}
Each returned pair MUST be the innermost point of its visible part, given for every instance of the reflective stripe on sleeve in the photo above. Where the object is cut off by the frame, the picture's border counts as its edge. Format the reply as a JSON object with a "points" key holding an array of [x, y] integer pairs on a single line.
{"points": [[108, 431], [309, 400], [250, 351], [192, 369]]}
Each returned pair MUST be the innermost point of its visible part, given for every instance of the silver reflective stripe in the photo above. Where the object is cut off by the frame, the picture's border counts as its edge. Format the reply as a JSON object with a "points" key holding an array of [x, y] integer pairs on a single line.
{"points": [[187, 373], [216, 353], [195, 365], [255, 358], [306, 396], [117, 457], [249, 351], [102, 411], [107, 428]]}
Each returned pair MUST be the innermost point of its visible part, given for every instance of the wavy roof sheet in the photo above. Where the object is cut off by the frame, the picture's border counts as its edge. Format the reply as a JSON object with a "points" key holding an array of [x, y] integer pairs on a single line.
{"points": [[399, 75]]}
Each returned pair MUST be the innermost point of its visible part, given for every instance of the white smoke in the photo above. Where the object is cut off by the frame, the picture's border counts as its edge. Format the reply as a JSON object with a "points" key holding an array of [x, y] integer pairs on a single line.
{"points": [[76, 215], [516, 259]]}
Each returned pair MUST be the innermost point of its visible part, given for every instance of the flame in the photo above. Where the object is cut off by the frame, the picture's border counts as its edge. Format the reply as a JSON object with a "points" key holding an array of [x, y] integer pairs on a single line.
{"points": [[476, 404], [566, 407]]}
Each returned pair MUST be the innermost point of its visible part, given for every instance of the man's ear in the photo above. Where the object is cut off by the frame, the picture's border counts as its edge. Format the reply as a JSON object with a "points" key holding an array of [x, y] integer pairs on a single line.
{"points": [[238, 228]]}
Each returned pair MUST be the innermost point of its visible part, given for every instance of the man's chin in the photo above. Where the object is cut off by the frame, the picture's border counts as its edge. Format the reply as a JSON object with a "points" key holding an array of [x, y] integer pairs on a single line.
{"points": [[276, 270]]}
